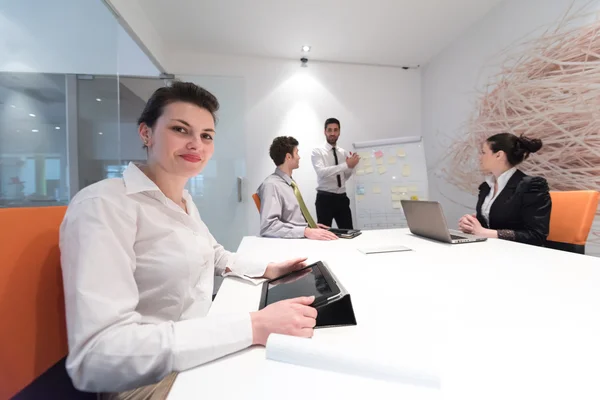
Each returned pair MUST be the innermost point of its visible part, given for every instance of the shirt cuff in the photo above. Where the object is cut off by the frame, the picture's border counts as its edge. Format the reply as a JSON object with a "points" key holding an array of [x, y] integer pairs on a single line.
{"points": [[254, 268], [198, 341], [506, 234], [298, 232]]}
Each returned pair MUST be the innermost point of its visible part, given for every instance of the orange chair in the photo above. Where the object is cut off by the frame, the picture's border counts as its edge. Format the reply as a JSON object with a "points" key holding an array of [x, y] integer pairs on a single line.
{"points": [[571, 219], [33, 337], [256, 201]]}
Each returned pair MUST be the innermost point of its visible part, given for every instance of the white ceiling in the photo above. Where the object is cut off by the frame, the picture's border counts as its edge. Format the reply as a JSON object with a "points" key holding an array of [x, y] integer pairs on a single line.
{"points": [[384, 32]]}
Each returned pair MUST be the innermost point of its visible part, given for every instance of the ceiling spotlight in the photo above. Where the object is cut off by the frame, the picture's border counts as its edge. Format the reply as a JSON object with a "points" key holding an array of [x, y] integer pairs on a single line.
{"points": [[306, 49], [57, 128], [13, 106], [99, 133], [98, 99], [34, 130], [32, 115]]}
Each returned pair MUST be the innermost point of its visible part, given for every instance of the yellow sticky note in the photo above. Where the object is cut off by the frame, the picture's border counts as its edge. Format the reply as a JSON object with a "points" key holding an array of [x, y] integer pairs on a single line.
{"points": [[396, 197], [360, 197], [402, 189], [381, 170], [391, 160], [404, 196], [413, 189], [397, 204], [400, 152], [376, 189], [406, 170], [414, 197], [360, 172], [365, 156], [367, 161], [379, 161], [369, 170]]}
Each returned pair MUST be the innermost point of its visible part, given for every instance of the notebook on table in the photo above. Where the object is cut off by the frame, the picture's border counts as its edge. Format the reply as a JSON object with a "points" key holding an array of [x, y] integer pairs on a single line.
{"points": [[426, 219]]}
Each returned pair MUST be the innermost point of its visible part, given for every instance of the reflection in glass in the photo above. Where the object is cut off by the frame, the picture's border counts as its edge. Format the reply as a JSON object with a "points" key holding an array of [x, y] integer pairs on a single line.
{"points": [[108, 109], [33, 141]]}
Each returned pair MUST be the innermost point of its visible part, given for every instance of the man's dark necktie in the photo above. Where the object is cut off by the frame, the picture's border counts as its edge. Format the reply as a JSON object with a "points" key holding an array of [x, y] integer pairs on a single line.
{"points": [[339, 179]]}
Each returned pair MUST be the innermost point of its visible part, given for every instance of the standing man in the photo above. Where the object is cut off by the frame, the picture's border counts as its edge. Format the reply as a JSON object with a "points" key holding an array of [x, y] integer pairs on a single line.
{"points": [[334, 166]]}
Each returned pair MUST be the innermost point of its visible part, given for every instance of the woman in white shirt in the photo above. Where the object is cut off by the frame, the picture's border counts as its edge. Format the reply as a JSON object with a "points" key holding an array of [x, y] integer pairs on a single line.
{"points": [[138, 264], [511, 205]]}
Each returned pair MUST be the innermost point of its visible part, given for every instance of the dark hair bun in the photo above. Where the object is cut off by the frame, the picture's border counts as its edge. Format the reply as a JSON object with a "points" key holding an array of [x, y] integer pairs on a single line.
{"points": [[529, 145], [516, 148]]}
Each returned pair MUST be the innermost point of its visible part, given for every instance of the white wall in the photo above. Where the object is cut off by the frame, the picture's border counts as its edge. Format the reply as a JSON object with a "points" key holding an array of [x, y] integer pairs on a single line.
{"points": [[451, 80], [67, 36], [284, 99]]}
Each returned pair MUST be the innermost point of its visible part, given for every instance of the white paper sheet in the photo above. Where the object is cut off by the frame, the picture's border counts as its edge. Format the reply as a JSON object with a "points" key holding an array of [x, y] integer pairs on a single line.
{"points": [[324, 356]]}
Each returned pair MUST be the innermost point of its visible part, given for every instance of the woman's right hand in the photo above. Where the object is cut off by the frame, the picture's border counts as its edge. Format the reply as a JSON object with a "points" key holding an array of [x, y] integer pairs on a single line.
{"points": [[293, 317], [319, 234], [465, 225]]}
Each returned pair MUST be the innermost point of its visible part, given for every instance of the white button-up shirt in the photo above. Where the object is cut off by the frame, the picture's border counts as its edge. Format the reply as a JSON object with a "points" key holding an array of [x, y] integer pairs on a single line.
{"points": [[491, 197], [138, 277], [324, 163]]}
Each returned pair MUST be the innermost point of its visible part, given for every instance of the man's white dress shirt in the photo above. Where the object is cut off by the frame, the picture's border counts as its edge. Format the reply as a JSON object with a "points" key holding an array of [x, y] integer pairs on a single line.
{"points": [[323, 161]]}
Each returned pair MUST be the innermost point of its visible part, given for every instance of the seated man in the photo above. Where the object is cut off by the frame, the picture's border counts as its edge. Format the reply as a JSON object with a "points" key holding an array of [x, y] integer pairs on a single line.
{"points": [[283, 213]]}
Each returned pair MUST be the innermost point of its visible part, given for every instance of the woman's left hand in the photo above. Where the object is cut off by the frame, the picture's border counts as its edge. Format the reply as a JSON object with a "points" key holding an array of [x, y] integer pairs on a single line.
{"points": [[277, 269], [470, 224]]}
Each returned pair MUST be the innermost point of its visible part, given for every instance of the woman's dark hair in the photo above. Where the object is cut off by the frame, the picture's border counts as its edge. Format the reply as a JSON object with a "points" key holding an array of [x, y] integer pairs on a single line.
{"points": [[516, 148], [281, 146], [186, 92]]}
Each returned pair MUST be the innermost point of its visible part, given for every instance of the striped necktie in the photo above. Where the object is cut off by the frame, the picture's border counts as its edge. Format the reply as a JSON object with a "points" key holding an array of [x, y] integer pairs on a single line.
{"points": [[309, 219]]}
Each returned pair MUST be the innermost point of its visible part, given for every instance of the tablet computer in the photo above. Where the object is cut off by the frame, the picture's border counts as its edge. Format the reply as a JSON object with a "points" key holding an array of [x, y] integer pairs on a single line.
{"points": [[313, 280], [345, 233]]}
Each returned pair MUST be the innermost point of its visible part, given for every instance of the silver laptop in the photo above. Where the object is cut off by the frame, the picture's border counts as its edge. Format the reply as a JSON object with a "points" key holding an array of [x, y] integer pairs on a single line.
{"points": [[426, 218]]}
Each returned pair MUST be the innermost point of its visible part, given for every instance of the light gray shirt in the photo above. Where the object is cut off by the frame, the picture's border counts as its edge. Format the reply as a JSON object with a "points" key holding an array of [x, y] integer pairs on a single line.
{"points": [[323, 162], [280, 214]]}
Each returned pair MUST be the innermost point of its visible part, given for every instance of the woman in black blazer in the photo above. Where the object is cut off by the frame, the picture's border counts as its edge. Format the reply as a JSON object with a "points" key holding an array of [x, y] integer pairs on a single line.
{"points": [[511, 205]]}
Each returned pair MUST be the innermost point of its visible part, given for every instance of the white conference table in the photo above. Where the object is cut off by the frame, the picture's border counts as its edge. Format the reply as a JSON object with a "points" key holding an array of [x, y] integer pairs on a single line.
{"points": [[496, 319]]}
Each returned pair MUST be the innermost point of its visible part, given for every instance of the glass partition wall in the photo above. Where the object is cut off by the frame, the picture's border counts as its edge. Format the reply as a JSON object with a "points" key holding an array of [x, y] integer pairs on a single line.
{"points": [[33, 140], [60, 67], [70, 96]]}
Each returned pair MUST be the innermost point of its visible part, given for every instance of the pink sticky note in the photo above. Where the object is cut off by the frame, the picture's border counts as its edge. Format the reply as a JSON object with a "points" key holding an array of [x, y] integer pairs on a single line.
{"points": [[378, 154]]}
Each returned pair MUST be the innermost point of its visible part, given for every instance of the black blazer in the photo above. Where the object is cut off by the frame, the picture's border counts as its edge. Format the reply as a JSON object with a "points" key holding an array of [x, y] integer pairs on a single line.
{"points": [[521, 212]]}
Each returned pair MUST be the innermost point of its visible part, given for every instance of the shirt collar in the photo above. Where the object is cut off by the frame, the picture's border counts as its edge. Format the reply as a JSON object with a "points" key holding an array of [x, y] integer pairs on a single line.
{"points": [[502, 179], [137, 182], [288, 179], [328, 146]]}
